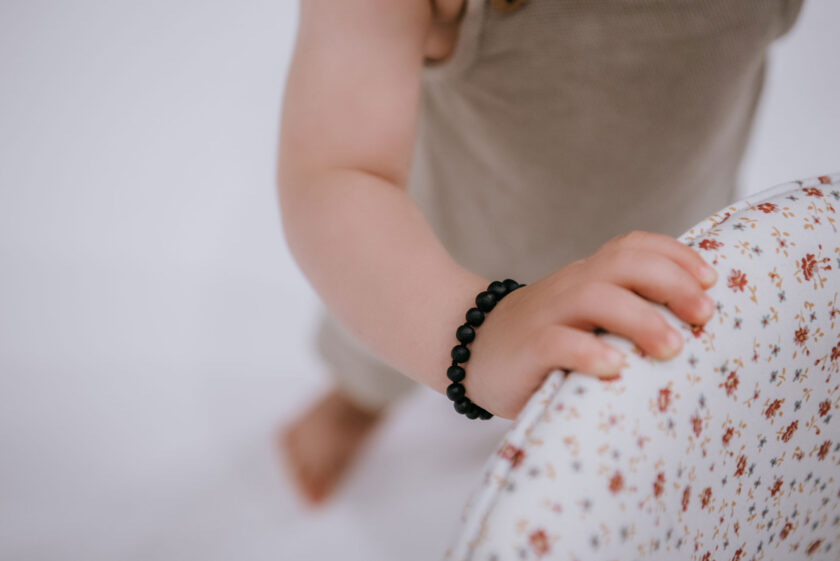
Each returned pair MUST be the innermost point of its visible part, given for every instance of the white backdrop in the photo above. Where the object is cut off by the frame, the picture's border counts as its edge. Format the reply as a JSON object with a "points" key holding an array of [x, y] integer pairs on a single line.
{"points": [[154, 329]]}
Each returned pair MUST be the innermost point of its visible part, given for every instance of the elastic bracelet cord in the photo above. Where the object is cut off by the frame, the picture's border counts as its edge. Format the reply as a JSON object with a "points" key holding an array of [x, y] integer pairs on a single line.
{"points": [[485, 301]]}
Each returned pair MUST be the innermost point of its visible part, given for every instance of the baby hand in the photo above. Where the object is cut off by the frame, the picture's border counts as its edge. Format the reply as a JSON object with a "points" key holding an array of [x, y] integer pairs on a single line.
{"points": [[549, 324]]}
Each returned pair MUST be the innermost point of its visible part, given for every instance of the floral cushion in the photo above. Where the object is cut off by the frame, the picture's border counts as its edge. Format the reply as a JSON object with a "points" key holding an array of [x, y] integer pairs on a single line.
{"points": [[731, 450]]}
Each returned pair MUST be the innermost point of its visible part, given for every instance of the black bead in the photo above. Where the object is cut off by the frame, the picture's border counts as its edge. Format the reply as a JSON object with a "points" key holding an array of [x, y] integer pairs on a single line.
{"points": [[460, 353], [497, 289], [455, 373], [455, 391], [465, 333], [475, 317], [485, 301], [462, 405]]}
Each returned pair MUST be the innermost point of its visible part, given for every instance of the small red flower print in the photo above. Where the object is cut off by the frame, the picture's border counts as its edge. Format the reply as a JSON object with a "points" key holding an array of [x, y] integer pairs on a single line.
{"points": [[664, 399], [724, 219], [777, 485], [813, 546], [659, 484], [686, 496], [767, 208], [823, 451], [835, 352], [731, 383], [706, 556], [801, 335], [788, 433], [539, 542], [738, 554], [709, 244], [616, 483], [697, 331], [737, 280], [824, 407], [742, 464], [727, 435], [813, 192], [696, 424], [808, 264], [773, 408], [783, 533], [705, 497], [824, 179], [513, 454]]}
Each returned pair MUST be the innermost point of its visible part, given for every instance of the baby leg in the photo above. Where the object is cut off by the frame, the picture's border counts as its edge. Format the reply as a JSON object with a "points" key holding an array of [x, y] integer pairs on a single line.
{"points": [[321, 444]]}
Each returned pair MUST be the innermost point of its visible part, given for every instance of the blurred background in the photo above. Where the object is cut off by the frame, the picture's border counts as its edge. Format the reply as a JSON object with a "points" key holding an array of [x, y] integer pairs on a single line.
{"points": [[154, 329]]}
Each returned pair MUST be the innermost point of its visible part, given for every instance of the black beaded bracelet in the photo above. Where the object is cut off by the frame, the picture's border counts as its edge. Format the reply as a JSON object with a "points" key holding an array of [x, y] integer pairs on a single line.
{"points": [[485, 301]]}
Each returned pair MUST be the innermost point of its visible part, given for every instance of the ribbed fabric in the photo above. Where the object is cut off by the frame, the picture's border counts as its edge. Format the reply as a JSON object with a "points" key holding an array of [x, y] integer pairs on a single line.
{"points": [[564, 123]]}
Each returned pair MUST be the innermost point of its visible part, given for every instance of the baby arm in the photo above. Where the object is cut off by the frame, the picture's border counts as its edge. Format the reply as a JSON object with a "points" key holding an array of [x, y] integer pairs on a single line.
{"points": [[348, 124]]}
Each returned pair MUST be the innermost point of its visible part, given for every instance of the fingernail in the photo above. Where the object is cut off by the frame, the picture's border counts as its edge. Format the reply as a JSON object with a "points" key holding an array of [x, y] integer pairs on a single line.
{"points": [[707, 304], [708, 274], [614, 358], [673, 340]]}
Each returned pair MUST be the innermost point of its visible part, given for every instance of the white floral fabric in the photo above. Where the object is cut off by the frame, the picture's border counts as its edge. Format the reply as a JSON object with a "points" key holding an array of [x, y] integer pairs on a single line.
{"points": [[729, 451]]}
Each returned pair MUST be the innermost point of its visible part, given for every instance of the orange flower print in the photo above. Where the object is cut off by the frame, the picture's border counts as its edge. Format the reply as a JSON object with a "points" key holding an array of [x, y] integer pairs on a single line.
{"points": [[823, 451], [709, 244], [513, 454], [835, 352], [739, 554], [705, 497], [783, 533], [801, 335], [767, 208], [664, 399], [742, 464], [726, 216], [789, 430], [812, 192], [777, 485], [737, 280], [696, 424], [727, 436], [825, 406], [731, 383], [773, 408], [616, 483], [808, 264], [686, 497], [824, 179], [659, 484], [706, 556], [539, 542], [813, 546]]}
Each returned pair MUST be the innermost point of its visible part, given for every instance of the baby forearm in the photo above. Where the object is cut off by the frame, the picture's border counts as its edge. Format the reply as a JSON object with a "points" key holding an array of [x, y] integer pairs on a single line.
{"points": [[369, 253]]}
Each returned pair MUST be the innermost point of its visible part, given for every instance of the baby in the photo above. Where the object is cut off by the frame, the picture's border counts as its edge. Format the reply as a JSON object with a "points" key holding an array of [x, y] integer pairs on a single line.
{"points": [[431, 146]]}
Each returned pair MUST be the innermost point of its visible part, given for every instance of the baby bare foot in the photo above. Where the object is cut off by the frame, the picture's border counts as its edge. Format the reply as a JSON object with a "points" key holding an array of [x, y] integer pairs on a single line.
{"points": [[321, 444]]}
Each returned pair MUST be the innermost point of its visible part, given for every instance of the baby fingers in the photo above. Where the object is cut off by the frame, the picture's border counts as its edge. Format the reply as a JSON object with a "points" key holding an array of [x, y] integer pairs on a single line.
{"points": [[561, 346], [621, 311]]}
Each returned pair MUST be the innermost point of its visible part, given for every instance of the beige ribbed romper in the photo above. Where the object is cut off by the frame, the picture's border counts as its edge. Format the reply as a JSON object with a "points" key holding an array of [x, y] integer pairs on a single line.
{"points": [[559, 124]]}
